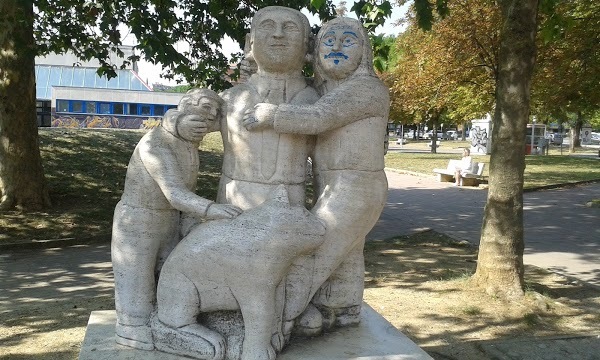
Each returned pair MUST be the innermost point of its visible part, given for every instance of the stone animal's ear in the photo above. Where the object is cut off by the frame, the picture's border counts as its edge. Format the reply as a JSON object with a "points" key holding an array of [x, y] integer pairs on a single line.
{"points": [[280, 194], [310, 51]]}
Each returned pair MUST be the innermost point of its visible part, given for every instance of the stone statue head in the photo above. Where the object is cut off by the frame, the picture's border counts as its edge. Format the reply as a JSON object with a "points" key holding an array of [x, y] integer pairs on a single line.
{"points": [[197, 109], [279, 40], [201, 101], [343, 49]]}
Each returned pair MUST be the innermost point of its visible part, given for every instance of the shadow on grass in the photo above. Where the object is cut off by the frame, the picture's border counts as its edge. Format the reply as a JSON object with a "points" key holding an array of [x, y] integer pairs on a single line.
{"points": [[45, 356], [413, 260], [85, 171], [425, 279]]}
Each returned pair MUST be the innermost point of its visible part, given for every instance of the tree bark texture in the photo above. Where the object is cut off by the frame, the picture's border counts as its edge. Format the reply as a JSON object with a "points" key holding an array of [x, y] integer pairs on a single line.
{"points": [[500, 261], [575, 132], [22, 183], [434, 138]]}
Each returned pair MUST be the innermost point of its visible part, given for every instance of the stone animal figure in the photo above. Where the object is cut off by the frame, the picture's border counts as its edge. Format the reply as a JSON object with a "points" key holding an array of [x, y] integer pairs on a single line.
{"points": [[230, 265]]}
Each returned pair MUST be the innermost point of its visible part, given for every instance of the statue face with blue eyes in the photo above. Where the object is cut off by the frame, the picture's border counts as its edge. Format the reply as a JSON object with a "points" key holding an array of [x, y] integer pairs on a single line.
{"points": [[340, 50]]}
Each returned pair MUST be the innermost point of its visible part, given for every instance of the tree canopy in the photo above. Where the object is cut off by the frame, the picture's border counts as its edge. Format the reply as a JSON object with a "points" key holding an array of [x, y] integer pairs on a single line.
{"points": [[450, 69], [93, 29]]}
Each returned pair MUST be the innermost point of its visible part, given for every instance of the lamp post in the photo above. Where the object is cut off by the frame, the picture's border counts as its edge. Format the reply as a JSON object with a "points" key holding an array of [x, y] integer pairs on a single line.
{"points": [[532, 135]]}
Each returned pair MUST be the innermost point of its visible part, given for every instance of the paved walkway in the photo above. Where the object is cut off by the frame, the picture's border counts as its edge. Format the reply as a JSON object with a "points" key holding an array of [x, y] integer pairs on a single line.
{"points": [[561, 233]]}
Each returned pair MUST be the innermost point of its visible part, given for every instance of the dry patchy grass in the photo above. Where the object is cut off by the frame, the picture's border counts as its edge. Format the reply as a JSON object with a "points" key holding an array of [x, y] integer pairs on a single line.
{"points": [[420, 283]]}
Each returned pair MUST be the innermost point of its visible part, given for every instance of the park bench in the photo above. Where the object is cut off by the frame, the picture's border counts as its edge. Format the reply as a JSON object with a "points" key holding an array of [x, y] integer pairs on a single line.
{"points": [[471, 179], [437, 144]]}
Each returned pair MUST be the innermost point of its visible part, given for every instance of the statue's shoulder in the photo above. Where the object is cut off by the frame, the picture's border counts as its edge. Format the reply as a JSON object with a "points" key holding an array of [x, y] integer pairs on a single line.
{"points": [[237, 90], [371, 85]]}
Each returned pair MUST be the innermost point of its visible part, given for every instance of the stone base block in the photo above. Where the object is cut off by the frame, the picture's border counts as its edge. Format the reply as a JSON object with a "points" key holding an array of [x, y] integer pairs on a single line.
{"points": [[374, 339]]}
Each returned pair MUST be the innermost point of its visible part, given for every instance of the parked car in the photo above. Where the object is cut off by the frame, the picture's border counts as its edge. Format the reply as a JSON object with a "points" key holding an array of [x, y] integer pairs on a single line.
{"points": [[555, 138], [595, 138], [410, 134], [452, 135], [429, 135]]}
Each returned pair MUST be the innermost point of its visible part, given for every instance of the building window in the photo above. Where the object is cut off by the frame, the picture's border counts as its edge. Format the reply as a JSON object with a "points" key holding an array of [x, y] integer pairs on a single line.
{"points": [[145, 109], [104, 108], [133, 109], [77, 106], [159, 110], [43, 113], [62, 105], [119, 108], [90, 107]]}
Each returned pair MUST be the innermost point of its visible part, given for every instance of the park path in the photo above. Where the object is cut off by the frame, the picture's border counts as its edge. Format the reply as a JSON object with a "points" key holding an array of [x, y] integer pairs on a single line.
{"points": [[561, 233]]}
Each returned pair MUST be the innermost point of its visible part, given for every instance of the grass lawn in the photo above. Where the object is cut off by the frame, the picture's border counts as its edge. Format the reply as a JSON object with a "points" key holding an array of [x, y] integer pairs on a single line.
{"points": [[85, 170]]}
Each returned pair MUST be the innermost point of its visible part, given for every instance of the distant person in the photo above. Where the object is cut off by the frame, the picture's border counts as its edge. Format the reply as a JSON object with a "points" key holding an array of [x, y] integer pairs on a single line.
{"points": [[465, 166]]}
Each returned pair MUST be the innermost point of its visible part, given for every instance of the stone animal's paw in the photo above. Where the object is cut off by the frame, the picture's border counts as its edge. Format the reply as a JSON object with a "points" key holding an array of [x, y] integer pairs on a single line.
{"points": [[214, 338], [278, 341], [194, 341], [220, 348]]}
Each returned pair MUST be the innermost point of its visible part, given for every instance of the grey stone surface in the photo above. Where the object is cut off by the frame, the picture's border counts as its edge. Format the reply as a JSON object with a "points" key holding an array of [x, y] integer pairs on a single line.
{"points": [[349, 121], [159, 186], [230, 265], [373, 339], [280, 287]]}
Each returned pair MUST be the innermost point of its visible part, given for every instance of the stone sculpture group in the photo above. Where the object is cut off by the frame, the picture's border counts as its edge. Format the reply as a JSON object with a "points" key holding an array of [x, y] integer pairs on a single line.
{"points": [[236, 278]]}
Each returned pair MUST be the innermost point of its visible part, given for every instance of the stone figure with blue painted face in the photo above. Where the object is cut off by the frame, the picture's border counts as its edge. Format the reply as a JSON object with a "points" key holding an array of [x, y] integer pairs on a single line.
{"points": [[350, 121], [340, 51]]}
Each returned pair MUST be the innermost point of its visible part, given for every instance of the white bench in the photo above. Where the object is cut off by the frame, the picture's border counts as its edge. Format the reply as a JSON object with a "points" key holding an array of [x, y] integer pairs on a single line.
{"points": [[437, 144], [470, 179]]}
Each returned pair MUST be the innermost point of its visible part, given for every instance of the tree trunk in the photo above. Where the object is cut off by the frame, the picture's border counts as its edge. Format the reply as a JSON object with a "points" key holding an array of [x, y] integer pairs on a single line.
{"points": [[500, 261], [434, 135], [22, 183], [576, 133]]}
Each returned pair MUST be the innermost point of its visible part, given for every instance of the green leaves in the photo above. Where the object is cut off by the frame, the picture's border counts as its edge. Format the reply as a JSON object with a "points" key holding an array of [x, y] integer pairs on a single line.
{"points": [[317, 4], [372, 13], [425, 15], [185, 36]]}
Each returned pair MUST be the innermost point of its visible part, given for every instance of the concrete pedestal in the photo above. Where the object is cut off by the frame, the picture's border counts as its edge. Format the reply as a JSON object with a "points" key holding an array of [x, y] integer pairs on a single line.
{"points": [[374, 339]]}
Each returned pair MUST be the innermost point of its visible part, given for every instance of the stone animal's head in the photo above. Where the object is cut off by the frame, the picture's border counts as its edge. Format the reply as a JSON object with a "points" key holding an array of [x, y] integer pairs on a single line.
{"points": [[285, 226]]}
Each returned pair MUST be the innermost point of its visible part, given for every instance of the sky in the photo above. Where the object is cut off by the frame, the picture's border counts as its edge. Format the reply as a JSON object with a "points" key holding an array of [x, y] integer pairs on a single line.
{"points": [[151, 73]]}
